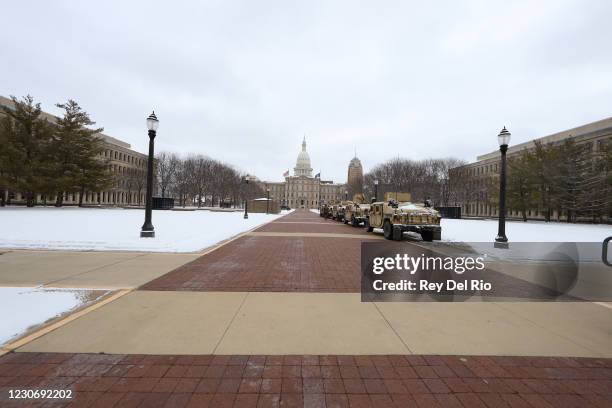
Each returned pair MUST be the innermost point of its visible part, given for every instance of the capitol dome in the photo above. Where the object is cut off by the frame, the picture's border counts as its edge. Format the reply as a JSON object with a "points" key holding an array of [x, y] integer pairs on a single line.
{"points": [[302, 166]]}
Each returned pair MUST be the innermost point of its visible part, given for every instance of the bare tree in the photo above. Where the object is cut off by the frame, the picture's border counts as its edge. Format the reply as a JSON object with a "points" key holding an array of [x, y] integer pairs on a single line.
{"points": [[166, 167], [423, 179]]}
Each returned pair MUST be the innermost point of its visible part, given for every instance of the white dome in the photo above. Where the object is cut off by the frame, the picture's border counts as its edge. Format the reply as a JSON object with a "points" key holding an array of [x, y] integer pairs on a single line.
{"points": [[302, 166]]}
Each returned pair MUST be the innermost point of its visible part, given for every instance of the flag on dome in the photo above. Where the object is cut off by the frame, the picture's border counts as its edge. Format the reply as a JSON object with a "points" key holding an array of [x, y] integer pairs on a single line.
{"points": [[318, 175], [286, 174]]}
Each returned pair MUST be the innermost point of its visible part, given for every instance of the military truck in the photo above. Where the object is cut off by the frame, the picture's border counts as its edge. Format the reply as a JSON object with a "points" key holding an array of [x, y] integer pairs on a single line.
{"points": [[341, 210], [396, 217], [349, 211], [324, 210], [336, 212], [356, 214], [361, 215]]}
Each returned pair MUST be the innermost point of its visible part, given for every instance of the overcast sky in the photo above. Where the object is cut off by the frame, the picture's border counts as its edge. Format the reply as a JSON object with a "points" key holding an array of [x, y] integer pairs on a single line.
{"points": [[242, 81]]}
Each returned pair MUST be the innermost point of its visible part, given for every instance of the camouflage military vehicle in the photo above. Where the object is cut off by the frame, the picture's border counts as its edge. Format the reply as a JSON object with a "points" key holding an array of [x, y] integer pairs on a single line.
{"points": [[325, 210], [339, 210], [335, 212], [361, 214], [356, 214], [349, 211], [396, 217]]}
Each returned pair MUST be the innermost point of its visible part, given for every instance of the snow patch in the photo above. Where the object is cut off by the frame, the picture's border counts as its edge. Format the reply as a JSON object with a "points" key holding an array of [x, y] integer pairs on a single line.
{"points": [[517, 231], [32, 306], [119, 229]]}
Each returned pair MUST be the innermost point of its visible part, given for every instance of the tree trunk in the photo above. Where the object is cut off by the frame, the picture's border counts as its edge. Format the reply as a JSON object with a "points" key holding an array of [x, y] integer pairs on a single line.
{"points": [[59, 199], [81, 194], [30, 199]]}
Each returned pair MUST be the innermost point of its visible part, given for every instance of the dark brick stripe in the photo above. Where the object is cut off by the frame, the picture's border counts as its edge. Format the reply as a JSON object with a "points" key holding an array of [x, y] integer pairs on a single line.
{"points": [[272, 264], [100, 380]]}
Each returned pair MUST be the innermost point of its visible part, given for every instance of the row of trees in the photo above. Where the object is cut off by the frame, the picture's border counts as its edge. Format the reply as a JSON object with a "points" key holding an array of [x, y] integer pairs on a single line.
{"points": [[202, 181], [568, 178], [50, 158], [424, 179]]}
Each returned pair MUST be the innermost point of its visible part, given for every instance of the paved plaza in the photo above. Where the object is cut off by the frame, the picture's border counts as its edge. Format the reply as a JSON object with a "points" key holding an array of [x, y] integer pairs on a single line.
{"points": [[274, 318]]}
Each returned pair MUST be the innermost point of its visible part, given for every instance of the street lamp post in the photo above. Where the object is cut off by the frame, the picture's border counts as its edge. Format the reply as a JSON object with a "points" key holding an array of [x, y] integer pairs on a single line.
{"points": [[246, 198], [267, 201], [147, 230], [345, 195], [376, 190], [504, 139]]}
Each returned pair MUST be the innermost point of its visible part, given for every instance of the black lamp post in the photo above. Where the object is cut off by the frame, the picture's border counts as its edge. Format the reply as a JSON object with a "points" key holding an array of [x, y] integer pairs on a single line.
{"points": [[147, 230], [504, 139], [267, 201], [376, 190], [245, 180], [345, 195]]}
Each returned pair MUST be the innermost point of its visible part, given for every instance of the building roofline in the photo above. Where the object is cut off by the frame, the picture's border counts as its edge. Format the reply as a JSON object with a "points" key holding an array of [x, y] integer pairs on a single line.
{"points": [[583, 130]]}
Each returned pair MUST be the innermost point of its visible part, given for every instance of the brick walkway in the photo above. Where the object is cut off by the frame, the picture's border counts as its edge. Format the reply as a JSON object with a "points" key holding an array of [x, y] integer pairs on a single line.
{"points": [[310, 381], [295, 263], [277, 263], [330, 227]]}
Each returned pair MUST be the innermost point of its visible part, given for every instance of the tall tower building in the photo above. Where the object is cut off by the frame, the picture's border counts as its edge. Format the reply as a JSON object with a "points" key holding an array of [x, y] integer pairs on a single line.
{"points": [[355, 177]]}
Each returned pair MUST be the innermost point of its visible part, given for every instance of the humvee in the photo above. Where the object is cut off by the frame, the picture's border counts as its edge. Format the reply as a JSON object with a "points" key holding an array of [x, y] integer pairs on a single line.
{"points": [[324, 210], [361, 214], [396, 217], [349, 211], [336, 212], [356, 214], [340, 210]]}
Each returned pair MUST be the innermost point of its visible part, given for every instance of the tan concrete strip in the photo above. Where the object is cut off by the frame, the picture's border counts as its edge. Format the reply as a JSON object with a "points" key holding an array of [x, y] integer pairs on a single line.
{"points": [[329, 323], [312, 234], [583, 323], [54, 326], [148, 322], [35, 268], [491, 329], [130, 273], [309, 323]]}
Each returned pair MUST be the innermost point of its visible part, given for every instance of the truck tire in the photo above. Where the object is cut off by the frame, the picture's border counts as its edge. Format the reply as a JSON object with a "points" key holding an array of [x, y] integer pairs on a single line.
{"points": [[354, 222], [388, 229], [427, 236], [367, 225], [397, 233]]}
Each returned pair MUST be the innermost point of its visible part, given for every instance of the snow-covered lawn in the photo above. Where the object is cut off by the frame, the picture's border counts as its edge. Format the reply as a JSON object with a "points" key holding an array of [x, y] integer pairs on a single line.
{"points": [[27, 307], [516, 231], [119, 229]]}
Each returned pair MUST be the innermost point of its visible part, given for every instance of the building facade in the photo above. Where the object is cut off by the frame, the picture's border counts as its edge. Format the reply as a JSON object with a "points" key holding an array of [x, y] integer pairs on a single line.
{"points": [[128, 166], [302, 190], [354, 179], [477, 182]]}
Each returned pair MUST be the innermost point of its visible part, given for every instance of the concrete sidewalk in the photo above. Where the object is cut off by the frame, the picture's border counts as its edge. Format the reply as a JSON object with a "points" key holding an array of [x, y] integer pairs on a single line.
{"points": [[149, 322], [112, 270], [263, 293]]}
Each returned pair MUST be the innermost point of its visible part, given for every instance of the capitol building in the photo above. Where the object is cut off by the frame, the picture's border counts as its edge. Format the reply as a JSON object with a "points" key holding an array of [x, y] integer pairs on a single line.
{"points": [[303, 190]]}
